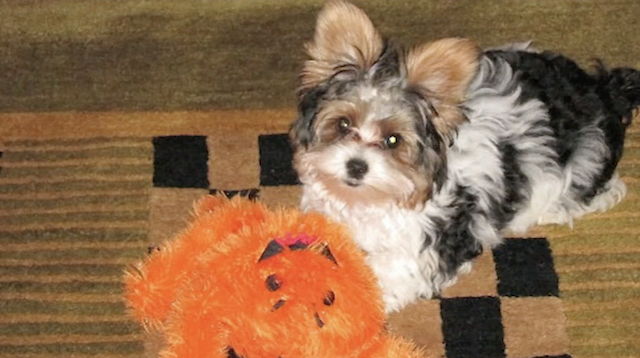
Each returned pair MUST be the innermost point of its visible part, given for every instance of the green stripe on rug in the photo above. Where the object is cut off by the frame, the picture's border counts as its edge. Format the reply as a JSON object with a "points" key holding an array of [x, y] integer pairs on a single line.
{"points": [[607, 334], [601, 242], [32, 187], [619, 317], [107, 142], [87, 287], [631, 275], [114, 215], [86, 270], [78, 202], [106, 170], [58, 154], [68, 349], [603, 350], [607, 223], [104, 328], [61, 254], [62, 308], [597, 260], [74, 235], [608, 294]]}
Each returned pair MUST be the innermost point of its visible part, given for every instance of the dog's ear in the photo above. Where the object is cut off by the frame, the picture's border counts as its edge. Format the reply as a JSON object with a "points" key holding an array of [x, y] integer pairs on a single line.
{"points": [[440, 72], [345, 42]]}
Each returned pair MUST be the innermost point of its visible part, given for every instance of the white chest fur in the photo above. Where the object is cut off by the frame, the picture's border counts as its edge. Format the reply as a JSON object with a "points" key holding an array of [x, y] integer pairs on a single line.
{"points": [[392, 237]]}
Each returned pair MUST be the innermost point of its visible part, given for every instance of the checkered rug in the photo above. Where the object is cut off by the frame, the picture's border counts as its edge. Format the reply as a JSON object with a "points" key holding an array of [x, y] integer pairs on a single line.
{"points": [[511, 297], [75, 211]]}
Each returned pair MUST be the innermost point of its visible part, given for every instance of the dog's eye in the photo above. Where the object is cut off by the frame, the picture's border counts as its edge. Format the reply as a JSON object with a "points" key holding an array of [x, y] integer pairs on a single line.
{"points": [[343, 125], [392, 141]]}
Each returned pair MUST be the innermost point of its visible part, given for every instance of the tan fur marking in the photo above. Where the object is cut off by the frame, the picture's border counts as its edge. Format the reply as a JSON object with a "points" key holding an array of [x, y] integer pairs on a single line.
{"points": [[443, 70], [344, 36]]}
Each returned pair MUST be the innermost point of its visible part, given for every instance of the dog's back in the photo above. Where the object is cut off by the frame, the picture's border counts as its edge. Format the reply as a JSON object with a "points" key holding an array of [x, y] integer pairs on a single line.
{"points": [[577, 100], [564, 132]]}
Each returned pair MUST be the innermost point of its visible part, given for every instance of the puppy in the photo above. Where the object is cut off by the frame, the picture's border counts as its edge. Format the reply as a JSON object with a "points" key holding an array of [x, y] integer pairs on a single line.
{"points": [[429, 154]]}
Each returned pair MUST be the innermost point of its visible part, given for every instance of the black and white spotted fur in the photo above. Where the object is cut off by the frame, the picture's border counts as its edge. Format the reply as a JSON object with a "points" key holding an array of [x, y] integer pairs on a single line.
{"points": [[540, 145]]}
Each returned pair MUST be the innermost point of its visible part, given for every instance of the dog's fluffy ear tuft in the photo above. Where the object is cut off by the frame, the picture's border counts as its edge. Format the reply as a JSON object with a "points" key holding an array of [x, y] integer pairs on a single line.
{"points": [[441, 71], [345, 41]]}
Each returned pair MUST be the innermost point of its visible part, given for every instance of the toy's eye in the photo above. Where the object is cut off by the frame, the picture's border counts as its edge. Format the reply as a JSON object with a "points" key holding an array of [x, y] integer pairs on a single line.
{"points": [[343, 125], [329, 298], [273, 283], [392, 141]]}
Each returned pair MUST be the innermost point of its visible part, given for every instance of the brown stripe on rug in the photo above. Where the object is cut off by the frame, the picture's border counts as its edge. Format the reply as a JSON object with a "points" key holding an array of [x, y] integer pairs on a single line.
{"points": [[73, 213], [598, 261]]}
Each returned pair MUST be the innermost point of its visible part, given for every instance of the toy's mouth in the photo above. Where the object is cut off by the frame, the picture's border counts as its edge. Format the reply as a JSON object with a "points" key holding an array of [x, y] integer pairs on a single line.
{"points": [[327, 300], [232, 353]]}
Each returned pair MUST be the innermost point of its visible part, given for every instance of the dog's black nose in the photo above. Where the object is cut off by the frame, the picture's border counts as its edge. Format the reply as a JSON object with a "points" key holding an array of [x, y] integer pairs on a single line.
{"points": [[357, 168]]}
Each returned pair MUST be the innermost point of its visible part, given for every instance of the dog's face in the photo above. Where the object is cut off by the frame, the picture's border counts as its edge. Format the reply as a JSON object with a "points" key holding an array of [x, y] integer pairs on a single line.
{"points": [[375, 121]]}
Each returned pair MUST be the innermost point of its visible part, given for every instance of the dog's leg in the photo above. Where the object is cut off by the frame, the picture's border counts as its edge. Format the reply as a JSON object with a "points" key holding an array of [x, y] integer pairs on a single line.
{"points": [[400, 278], [459, 231]]}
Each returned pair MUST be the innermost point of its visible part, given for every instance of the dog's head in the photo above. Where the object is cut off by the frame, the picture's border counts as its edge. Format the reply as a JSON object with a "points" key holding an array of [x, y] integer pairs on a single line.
{"points": [[375, 120]]}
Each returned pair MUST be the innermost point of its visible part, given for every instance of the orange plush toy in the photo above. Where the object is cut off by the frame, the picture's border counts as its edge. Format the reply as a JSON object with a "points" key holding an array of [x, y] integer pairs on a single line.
{"points": [[246, 281]]}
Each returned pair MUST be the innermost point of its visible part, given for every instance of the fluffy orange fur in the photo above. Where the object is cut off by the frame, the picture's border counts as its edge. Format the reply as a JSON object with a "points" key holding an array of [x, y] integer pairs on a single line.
{"points": [[213, 293]]}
